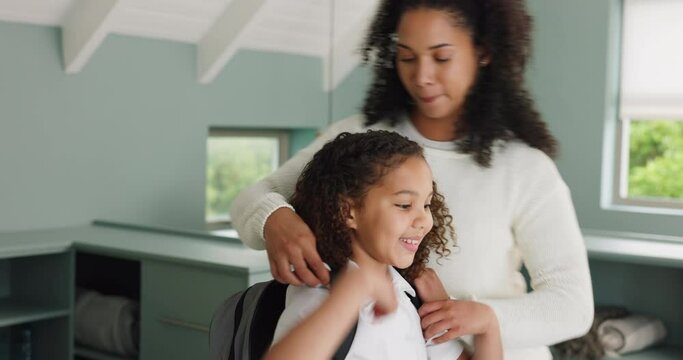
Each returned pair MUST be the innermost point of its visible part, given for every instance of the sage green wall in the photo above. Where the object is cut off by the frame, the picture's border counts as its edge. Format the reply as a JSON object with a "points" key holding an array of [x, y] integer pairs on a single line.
{"points": [[125, 139], [573, 77], [348, 96]]}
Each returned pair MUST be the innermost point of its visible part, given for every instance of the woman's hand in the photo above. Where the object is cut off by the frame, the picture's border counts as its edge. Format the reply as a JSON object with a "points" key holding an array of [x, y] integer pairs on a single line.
{"points": [[459, 317], [429, 287], [289, 241]]}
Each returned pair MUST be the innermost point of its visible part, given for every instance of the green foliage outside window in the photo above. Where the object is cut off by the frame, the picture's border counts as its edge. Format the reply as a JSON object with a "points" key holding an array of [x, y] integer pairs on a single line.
{"points": [[233, 164], [656, 159]]}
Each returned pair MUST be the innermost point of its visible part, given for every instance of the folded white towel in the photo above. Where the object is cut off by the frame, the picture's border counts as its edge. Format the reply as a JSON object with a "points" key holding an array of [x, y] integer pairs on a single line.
{"points": [[630, 333], [109, 323]]}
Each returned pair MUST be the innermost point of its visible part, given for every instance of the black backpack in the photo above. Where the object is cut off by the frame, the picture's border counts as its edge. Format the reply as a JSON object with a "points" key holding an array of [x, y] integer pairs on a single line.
{"points": [[242, 328]]}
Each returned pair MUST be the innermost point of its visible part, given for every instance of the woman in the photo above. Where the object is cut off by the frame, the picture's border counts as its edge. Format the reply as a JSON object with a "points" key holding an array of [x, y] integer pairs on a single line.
{"points": [[449, 75]]}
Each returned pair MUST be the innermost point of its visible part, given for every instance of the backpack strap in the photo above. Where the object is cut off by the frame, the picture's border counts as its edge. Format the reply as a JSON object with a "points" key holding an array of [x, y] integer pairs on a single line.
{"points": [[272, 303], [238, 319], [415, 300], [345, 346]]}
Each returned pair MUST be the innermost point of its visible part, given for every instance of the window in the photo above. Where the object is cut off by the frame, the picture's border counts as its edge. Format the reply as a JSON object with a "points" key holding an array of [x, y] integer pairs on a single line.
{"points": [[650, 153], [235, 160]]}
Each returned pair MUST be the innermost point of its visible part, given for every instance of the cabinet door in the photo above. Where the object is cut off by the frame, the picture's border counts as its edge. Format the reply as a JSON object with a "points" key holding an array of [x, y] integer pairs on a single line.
{"points": [[177, 303]]}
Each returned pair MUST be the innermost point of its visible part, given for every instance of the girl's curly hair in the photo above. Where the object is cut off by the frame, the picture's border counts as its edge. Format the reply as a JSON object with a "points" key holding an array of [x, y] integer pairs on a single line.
{"points": [[498, 106], [345, 169]]}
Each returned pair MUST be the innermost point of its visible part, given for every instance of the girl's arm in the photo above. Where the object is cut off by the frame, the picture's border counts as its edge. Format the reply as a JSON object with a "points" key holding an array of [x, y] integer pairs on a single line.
{"points": [[322, 332]]}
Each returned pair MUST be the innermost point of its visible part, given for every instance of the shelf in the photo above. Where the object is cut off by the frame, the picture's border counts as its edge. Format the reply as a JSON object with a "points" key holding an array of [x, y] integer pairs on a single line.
{"points": [[659, 353], [91, 354], [12, 312]]}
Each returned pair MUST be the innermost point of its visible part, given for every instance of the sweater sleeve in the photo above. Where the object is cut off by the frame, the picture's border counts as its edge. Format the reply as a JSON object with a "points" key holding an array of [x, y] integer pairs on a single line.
{"points": [[252, 207], [560, 305]]}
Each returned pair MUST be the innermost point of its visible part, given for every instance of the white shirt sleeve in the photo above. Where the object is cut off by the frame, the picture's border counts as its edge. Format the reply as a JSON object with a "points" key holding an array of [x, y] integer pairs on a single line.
{"points": [[301, 302]]}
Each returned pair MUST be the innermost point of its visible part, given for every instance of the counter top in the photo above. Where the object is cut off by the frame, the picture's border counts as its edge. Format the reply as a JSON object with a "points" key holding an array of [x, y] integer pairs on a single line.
{"points": [[24, 243], [137, 245], [135, 242]]}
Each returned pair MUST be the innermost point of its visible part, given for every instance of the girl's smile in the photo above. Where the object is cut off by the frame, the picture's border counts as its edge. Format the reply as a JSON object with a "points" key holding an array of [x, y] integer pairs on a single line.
{"points": [[394, 216], [412, 243]]}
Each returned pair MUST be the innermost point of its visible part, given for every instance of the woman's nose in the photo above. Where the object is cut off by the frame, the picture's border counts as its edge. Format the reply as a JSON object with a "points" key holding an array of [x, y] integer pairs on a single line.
{"points": [[424, 73]]}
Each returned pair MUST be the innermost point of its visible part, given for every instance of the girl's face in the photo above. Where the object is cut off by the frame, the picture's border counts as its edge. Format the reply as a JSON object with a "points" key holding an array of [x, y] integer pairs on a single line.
{"points": [[437, 62], [394, 216]]}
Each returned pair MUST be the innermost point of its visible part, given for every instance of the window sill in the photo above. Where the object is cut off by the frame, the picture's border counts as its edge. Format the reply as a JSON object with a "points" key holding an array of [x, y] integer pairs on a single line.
{"points": [[635, 207], [635, 248]]}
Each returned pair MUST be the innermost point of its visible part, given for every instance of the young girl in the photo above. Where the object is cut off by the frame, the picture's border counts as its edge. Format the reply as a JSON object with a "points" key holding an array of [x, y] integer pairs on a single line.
{"points": [[373, 206]]}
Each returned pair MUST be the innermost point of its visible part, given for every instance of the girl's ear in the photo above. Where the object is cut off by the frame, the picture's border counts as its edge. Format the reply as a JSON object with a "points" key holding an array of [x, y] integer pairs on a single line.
{"points": [[348, 213], [351, 219]]}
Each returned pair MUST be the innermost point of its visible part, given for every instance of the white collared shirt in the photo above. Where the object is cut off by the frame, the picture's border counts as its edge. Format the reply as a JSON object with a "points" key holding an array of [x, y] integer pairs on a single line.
{"points": [[394, 336]]}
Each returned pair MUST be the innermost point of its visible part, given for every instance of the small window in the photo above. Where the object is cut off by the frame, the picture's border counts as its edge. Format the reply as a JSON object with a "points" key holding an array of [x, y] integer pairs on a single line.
{"points": [[650, 153], [235, 160], [655, 159]]}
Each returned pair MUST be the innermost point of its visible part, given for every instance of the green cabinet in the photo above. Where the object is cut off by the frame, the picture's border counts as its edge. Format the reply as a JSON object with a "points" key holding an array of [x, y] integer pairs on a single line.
{"points": [[35, 305], [183, 278], [177, 303], [179, 279]]}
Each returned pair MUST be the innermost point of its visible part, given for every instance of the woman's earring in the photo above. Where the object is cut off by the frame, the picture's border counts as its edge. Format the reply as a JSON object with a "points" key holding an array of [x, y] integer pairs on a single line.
{"points": [[483, 62]]}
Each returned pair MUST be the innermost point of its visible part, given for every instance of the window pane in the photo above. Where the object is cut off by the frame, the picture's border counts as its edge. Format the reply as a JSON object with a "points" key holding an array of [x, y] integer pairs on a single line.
{"points": [[656, 159], [233, 163], [652, 82]]}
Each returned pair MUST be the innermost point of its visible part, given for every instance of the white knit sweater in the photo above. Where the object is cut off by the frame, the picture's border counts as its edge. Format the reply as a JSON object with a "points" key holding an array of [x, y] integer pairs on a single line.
{"points": [[517, 210]]}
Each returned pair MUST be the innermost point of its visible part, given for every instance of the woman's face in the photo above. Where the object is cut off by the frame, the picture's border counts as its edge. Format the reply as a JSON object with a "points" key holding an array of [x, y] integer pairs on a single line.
{"points": [[437, 62], [394, 216]]}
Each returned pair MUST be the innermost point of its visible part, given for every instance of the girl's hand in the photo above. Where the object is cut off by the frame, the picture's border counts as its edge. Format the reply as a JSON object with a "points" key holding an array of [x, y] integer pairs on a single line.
{"points": [[289, 241], [459, 317], [383, 293], [369, 283], [429, 287]]}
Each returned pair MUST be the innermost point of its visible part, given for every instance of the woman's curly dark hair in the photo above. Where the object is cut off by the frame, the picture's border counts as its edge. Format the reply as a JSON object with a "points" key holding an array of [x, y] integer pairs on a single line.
{"points": [[345, 169], [498, 106]]}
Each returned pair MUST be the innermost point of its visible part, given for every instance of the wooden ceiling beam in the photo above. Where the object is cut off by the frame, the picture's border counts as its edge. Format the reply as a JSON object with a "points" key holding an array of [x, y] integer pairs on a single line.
{"points": [[85, 27], [222, 40]]}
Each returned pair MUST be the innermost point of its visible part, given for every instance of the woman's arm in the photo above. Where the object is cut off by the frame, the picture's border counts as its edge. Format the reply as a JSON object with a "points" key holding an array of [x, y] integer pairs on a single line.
{"points": [[262, 212], [548, 237], [322, 332], [560, 307]]}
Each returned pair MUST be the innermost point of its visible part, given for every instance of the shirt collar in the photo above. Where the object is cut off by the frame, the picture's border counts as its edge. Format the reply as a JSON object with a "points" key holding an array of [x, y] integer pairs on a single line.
{"points": [[400, 283]]}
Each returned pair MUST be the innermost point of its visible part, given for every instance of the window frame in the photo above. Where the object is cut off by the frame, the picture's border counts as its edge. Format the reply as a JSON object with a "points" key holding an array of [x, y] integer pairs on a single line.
{"points": [[620, 138], [283, 138]]}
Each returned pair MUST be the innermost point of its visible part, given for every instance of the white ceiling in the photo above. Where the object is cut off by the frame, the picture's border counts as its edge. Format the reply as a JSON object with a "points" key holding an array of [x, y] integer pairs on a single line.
{"points": [[218, 27]]}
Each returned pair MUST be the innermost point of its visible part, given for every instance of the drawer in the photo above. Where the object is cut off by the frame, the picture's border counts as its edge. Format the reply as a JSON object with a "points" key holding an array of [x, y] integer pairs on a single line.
{"points": [[177, 302]]}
